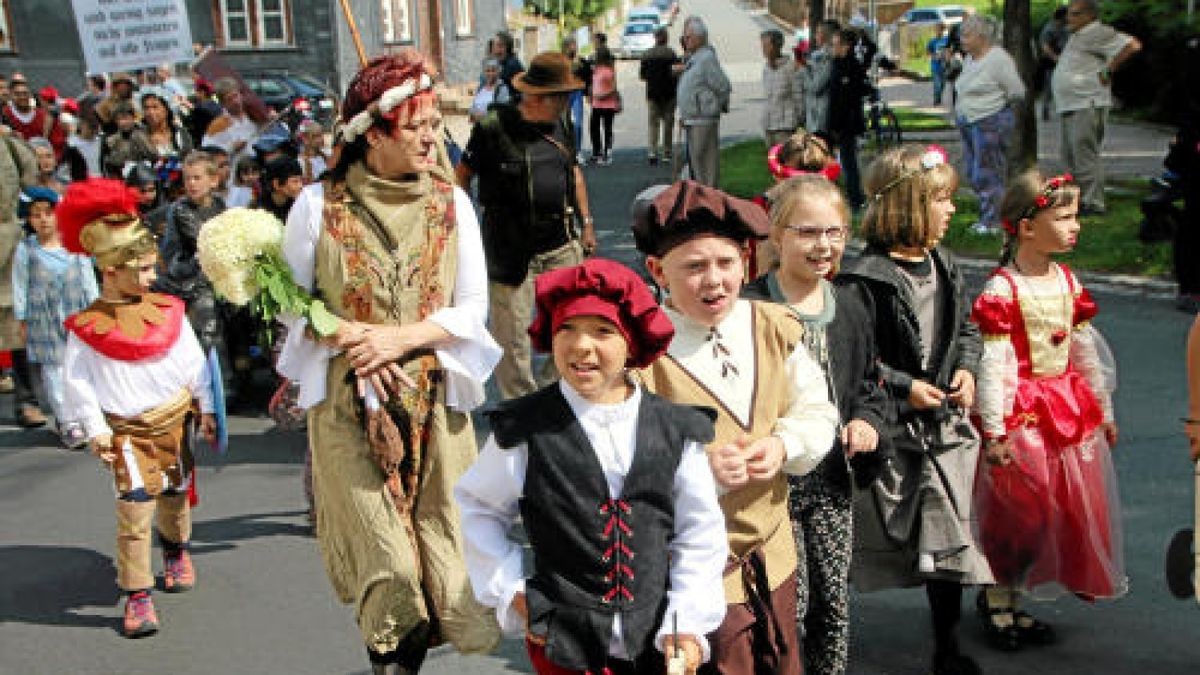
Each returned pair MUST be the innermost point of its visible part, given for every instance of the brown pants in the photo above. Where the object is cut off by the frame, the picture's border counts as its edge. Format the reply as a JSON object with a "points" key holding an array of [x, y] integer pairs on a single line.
{"points": [[733, 644], [133, 535]]}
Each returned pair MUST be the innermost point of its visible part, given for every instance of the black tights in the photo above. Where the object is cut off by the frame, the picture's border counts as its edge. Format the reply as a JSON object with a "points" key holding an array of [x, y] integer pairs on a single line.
{"points": [[601, 146], [945, 604]]}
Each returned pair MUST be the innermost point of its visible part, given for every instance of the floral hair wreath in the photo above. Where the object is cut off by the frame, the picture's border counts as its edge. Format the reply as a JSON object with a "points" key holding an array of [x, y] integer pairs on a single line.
{"points": [[388, 102], [1041, 201], [830, 171], [933, 157]]}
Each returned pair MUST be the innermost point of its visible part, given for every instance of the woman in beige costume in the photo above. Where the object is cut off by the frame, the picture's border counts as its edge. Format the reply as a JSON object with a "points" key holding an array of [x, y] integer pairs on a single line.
{"points": [[393, 249]]}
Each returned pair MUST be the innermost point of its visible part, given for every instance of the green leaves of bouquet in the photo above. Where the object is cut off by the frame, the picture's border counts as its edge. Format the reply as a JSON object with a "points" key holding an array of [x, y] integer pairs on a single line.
{"points": [[241, 253]]}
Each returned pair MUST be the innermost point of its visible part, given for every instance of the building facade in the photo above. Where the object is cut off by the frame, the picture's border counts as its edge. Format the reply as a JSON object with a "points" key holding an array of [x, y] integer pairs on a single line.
{"points": [[39, 39]]}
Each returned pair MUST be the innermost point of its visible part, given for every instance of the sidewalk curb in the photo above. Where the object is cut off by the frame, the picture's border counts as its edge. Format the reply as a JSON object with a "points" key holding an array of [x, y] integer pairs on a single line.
{"points": [[1124, 284]]}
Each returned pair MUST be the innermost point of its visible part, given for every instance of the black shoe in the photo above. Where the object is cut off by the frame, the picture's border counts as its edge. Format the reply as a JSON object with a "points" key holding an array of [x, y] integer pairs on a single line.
{"points": [[1006, 638], [1033, 631], [955, 663]]}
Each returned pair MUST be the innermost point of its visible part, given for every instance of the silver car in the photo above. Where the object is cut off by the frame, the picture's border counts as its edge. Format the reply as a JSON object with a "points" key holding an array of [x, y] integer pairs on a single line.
{"points": [[637, 38]]}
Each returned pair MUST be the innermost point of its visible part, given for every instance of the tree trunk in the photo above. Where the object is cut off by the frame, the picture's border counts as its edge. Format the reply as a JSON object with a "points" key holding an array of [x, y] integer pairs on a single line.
{"points": [[1019, 41], [816, 13]]}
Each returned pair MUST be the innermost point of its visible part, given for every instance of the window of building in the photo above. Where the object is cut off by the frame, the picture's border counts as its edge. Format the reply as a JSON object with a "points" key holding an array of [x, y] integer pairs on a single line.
{"points": [[464, 17], [6, 41], [397, 21], [254, 23]]}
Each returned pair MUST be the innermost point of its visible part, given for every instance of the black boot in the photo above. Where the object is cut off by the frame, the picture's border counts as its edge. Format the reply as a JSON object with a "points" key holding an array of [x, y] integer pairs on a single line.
{"points": [[945, 604]]}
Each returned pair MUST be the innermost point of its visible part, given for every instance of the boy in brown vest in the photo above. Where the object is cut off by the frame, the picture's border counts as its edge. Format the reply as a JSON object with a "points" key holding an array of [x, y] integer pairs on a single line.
{"points": [[743, 358]]}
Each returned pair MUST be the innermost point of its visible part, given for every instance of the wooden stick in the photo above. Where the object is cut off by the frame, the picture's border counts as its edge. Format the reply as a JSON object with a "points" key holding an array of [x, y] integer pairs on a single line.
{"points": [[354, 34]]}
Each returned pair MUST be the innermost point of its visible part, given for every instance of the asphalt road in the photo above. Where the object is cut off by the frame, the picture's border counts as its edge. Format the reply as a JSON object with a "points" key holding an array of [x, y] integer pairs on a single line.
{"points": [[263, 604]]}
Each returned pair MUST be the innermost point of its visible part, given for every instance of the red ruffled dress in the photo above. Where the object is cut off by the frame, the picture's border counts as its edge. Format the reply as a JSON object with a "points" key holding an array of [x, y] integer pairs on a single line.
{"points": [[1049, 520]]}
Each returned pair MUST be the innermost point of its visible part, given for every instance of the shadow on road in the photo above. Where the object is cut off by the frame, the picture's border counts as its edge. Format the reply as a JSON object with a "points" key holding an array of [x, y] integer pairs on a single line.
{"points": [[50, 585], [222, 534]]}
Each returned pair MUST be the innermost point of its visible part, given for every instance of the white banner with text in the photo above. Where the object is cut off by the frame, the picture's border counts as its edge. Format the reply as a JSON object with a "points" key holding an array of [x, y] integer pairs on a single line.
{"points": [[120, 35]]}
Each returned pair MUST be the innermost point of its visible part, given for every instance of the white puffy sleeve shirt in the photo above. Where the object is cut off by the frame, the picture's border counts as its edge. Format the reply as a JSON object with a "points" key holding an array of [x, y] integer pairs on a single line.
{"points": [[94, 384], [468, 357], [489, 492]]}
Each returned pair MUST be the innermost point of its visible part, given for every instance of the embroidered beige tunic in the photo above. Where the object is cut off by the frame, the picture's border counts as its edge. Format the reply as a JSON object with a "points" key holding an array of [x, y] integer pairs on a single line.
{"points": [[396, 580]]}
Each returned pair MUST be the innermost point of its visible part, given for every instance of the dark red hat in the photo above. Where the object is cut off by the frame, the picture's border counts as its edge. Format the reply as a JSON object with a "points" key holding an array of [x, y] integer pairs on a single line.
{"points": [[665, 218], [606, 289]]}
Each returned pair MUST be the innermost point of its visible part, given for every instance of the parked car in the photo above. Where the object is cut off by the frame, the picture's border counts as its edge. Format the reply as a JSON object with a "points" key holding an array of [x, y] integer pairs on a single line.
{"points": [[636, 39], [648, 13], [303, 94], [950, 15]]}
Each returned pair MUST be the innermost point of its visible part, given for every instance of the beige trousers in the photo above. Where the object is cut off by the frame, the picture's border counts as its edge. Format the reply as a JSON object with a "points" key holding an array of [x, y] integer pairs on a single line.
{"points": [[660, 120], [511, 313], [1082, 139], [134, 520], [704, 152]]}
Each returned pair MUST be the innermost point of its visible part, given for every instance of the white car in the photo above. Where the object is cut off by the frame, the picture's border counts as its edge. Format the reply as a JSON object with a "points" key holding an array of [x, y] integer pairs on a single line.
{"points": [[950, 15], [636, 39], [648, 13]]}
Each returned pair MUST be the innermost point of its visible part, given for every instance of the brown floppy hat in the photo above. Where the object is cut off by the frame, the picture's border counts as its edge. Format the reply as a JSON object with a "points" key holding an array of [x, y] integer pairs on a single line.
{"points": [[548, 73]]}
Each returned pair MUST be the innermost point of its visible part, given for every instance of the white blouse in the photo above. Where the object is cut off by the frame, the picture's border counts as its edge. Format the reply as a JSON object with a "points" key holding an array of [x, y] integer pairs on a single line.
{"points": [[488, 496], [808, 428], [94, 384], [468, 357]]}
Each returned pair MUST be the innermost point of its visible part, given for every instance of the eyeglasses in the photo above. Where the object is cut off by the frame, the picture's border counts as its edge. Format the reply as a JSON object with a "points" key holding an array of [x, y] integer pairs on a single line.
{"points": [[834, 233]]}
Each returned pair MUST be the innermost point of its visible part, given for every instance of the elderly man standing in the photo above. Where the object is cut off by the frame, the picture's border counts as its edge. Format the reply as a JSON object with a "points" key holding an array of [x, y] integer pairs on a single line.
{"points": [[702, 97], [532, 190], [1082, 86]]}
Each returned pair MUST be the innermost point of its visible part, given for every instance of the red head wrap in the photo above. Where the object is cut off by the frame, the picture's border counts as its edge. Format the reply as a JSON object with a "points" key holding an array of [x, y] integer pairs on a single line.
{"points": [[387, 72], [606, 289]]}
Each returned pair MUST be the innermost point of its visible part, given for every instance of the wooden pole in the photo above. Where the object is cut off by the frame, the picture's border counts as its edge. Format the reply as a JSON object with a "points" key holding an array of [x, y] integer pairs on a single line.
{"points": [[354, 34]]}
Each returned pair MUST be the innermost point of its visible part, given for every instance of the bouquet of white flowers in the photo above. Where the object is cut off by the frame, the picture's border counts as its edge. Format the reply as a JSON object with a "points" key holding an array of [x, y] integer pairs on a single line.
{"points": [[241, 253]]}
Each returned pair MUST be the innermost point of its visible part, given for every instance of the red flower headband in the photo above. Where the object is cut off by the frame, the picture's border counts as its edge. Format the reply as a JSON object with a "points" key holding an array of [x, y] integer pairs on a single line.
{"points": [[780, 171], [1041, 201]]}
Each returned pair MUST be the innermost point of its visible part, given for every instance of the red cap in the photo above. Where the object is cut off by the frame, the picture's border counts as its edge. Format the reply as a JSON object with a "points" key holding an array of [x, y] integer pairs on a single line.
{"points": [[606, 289], [48, 93]]}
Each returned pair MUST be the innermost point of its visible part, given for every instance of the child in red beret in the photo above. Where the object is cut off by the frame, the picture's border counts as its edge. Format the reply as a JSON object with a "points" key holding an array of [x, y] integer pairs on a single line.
{"points": [[621, 555]]}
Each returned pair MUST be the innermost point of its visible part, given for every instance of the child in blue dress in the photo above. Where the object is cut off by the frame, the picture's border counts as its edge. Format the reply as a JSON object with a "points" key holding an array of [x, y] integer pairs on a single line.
{"points": [[49, 285]]}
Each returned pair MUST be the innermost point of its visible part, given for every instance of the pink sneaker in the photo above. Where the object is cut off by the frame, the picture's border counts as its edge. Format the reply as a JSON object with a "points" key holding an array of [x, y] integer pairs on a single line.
{"points": [[140, 618], [178, 573]]}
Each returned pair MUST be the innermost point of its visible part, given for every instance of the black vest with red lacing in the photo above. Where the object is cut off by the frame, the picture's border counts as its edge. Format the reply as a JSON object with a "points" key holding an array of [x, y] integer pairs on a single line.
{"points": [[595, 555]]}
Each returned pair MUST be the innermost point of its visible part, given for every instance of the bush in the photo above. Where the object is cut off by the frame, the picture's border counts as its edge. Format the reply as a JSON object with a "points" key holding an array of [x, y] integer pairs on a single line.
{"points": [[1164, 78]]}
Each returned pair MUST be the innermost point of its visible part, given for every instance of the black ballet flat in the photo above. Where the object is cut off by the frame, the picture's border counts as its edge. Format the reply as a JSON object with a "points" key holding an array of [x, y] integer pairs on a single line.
{"points": [[1033, 631], [1004, 638]]}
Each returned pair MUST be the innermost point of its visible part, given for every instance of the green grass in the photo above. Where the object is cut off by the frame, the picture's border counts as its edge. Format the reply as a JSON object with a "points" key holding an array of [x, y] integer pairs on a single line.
{"points": [[744, 168], [916, 120], [1106, 244], [916, 65]]}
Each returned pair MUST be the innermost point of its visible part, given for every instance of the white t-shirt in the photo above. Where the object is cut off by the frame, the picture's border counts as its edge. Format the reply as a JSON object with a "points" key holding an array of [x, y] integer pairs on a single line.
{"points": [[987, 84]]}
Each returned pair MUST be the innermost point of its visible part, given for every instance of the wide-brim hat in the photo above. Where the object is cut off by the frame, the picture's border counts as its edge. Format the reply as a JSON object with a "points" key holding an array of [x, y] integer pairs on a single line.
{"points": [[548, 73]]}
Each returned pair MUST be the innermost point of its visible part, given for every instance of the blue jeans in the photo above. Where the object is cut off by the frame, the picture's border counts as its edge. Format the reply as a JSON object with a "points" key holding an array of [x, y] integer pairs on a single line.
{"points": [[576, 103], [985, 160], [939, 83]]}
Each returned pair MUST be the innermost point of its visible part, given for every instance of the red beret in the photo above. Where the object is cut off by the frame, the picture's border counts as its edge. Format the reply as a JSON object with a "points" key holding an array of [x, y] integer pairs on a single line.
{"points": [[665, 218], [606, 289]]}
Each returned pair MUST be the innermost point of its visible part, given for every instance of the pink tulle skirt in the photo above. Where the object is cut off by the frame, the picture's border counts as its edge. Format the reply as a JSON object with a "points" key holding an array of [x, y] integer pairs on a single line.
{"points": [[1050, 520]]}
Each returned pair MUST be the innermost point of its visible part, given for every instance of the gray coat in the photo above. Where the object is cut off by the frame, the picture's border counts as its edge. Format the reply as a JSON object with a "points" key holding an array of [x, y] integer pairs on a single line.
{"points": [[818, 75], [704, 89], [783, 89]]}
